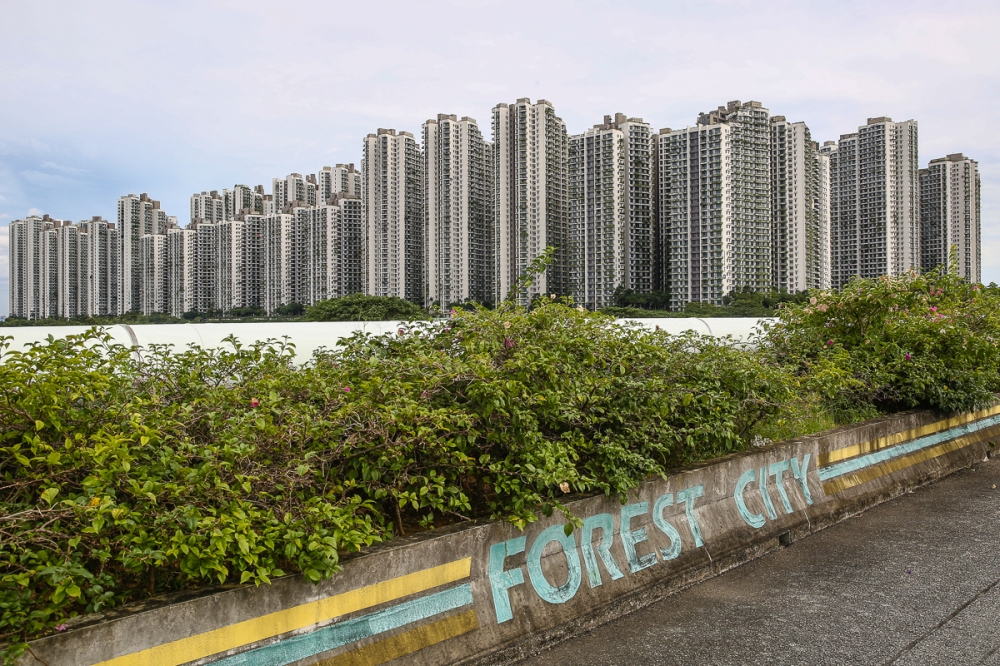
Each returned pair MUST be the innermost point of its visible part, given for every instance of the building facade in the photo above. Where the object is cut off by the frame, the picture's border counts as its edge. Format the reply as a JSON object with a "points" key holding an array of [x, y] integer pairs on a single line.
{"points": [[458, 212], [610, 181], [341, 179], [715, 205], [874, 203], [800, 228], [530, 197], [950, 216], [392, 178]]}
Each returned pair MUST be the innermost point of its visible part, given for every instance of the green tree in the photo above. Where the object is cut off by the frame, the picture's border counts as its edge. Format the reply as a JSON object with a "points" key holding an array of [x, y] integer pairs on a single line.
{"points": [[361, 307]]}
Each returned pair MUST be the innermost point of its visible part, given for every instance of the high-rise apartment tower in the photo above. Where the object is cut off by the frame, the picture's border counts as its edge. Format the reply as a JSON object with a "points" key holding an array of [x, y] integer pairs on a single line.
{"points": [[950, 215]]}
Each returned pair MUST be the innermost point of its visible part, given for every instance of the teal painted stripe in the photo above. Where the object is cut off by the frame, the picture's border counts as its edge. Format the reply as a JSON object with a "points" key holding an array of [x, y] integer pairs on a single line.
{"points": [[306, 645], [855, 464]]}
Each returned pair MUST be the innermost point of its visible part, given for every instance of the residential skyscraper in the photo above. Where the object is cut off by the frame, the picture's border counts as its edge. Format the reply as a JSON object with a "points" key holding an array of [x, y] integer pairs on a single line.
{"points": [[284, 258], [334, 247], [392, 178], [341, 179], [950, 215], [137, 216], [208, 207], [800, 230], [874, 205], [610, 171], [155, 274], [294, 190], [27, 266], [103, 272], [458, 209], [243, 200], [715, 204], [70, 252], [182, 262], [531, 198]]}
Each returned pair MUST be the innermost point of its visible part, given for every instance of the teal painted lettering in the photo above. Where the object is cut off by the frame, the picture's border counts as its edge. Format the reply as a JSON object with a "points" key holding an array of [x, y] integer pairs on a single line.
{"points": [[632, 537], [547, 591], [500, 580], [777, 470], [606, 523], [801, 475], [661, 523], [688, 496], [764, 495], [755, 520]]}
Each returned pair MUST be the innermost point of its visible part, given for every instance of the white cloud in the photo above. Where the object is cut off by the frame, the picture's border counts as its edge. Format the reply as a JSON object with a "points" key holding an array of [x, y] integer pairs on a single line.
{"points": [[35, 211], [45, 179], [63, 168]]}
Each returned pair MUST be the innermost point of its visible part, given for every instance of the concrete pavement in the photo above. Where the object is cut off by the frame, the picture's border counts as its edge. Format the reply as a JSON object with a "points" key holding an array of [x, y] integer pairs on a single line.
{"points": [[913, 581]]}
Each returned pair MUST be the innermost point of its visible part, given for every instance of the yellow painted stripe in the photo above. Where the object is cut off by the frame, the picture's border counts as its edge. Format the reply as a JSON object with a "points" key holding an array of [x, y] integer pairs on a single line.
{"points": [[888, 467], [406, 643], [854, 450], [291, 619]]}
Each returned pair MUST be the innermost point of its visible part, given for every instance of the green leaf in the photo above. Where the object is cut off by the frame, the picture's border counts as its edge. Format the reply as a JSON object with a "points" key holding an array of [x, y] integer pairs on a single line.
{"points": [[49, 494]]}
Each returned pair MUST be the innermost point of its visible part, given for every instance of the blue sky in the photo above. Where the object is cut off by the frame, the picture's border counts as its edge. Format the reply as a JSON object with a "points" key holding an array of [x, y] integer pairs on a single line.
{"points": [[98, 100]]}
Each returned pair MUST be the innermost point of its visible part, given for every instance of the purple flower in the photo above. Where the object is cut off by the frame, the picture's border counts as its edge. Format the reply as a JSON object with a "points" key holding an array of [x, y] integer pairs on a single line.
{"points": [[829, 342], [61, 627], [254, 402], [347, 389], [907, 357]]}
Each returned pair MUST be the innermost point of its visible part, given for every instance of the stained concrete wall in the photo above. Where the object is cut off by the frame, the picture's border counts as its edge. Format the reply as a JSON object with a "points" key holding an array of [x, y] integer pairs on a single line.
{"points": [[490, 593]]}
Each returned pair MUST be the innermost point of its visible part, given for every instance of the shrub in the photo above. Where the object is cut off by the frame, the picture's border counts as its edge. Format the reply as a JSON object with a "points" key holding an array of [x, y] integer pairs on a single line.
{"points": [[895, 343], [361, 307], [125, 477]]}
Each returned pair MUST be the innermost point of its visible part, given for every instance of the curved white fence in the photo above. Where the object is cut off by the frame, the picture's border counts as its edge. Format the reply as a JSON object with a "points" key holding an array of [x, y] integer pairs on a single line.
{"points": [[310, 336]]}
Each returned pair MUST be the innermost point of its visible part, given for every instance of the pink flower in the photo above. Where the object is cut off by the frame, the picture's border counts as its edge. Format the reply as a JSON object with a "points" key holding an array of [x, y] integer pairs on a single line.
{"points": [[347, 389], [934, 308], [508, 343], [254, 402], [829, 342], [907, 357], [401, 332], [62, 627]]}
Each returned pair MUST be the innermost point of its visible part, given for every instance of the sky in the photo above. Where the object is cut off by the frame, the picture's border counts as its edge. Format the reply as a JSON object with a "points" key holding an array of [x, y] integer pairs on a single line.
{"points": [[98, 100]]}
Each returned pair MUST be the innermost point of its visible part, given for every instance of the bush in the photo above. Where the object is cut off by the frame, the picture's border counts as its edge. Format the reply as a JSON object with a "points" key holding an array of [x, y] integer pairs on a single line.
{"points": [[128, 477], [895, 343], [361, 307]]}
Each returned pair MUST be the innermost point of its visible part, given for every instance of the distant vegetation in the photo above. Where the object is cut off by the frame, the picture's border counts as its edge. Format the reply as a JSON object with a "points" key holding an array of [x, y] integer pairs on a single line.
{"points": [[359, 307], [743, 303]]}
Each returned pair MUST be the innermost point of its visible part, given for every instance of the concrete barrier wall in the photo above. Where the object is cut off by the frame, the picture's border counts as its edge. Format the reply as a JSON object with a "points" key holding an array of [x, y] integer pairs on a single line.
{"points": [[490, 593]]}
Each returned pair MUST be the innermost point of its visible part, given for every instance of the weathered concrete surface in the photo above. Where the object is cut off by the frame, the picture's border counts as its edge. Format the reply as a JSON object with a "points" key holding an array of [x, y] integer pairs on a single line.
{"points": [[492, 594], [913, 581]]}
